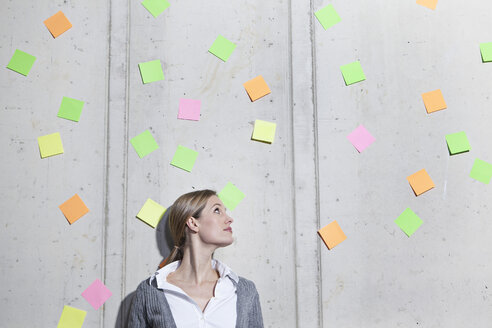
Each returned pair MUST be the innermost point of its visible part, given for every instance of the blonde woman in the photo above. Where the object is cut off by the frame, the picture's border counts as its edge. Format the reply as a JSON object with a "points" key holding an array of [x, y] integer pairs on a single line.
{"points": [[193, 289]]}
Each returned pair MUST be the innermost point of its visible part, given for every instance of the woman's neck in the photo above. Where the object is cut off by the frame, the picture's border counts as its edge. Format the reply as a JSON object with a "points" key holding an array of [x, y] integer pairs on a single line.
{"points": [[196, 266]]}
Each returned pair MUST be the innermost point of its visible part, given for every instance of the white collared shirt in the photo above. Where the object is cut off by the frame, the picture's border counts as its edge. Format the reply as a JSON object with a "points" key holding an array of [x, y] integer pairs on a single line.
{"points": [[220, 311]]}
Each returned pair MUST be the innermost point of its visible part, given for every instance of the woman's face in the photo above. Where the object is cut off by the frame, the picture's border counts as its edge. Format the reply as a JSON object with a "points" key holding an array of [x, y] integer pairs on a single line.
{"points": [[214, 224]]}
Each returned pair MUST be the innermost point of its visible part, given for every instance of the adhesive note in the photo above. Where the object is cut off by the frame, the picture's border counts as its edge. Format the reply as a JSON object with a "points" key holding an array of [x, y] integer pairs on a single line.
{"points": [[70, 109], [96, 294], [184, 158], [486, 51], [151, 213], [457, 143], [360, 138], [58, 24], [144, 143], [433, 101], [408, 222], [481, 171], [352, 73], [332, 234], [256, 88], [264, 131], [222, 48], [156, 7], [21, 62], [327, 16], [74, 209], [231, 196], [189, 109], [420, 182], [50, 145], [151, 71], [71, 318], [431, 4]]}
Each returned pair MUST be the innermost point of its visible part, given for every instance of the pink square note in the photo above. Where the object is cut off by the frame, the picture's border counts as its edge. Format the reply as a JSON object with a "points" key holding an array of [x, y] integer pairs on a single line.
{"points": [[361, 138], [96, 294], [189, 109]]}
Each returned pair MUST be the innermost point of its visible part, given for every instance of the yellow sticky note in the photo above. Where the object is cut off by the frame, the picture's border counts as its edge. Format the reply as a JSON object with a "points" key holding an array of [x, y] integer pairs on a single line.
{"points": [[332, 234], [431, 4], [151, 213], [58, 24], [264, 131], [71, 317], [74, 209], [433, 101], [420, 182], [256, 88], [50, 145]]}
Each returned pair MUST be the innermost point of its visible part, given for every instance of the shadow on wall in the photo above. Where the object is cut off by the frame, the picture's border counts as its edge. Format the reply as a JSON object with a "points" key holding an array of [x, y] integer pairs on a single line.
{"points": [[164, 244]]}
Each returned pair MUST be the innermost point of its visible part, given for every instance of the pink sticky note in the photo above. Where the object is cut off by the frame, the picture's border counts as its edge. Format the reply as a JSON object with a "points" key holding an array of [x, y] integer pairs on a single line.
{"points": [[96, 294], [189, 109], [360, 138]]}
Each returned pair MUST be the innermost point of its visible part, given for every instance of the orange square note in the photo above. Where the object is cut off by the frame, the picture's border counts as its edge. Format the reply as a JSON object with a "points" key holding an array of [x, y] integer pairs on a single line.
{"points": [[74, 209], [420, 182], [58, 24], [433, 101], [256, 88], [332, 234], [431, 4]]}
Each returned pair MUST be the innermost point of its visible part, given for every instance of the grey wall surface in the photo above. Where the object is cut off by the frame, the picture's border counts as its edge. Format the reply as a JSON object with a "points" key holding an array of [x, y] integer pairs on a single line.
{"points": [[309, 176]]}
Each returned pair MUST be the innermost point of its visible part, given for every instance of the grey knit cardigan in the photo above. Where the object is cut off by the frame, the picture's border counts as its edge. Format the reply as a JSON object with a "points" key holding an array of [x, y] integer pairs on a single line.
{"points": [[150, 308]]}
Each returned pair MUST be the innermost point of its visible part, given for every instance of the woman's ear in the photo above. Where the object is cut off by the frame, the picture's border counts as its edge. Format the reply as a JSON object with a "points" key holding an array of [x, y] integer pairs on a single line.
{"points": [[192, 224]]}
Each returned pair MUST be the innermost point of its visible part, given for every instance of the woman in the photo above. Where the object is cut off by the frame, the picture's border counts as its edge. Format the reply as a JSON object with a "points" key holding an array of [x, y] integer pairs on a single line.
{"points": [[193, 289]]}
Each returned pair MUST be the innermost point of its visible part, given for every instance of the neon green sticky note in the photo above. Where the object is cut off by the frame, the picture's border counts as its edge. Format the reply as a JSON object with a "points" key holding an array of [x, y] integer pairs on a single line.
{"points": [[151, 71], [144, 143], [486, 51], [409, 222], [71, 317], [481, 171], [21, 62], [222, 48], [151, 213], [352, 73], [327, 16], [264, 131], [70, 109], [50, 145], [457, 143], [184, 158], [156, 7], [231, 196]]}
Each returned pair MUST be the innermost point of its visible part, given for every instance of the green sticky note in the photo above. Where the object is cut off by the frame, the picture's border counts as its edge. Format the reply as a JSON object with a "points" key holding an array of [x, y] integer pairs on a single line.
{"points": [[144, 143], [21, 62], [71, 317], [486, 51], [408, 221], [151, 213], [70, 109], [352, 73], [184, 158], [327, 16], [231, 196], [156, 7], [264, 131], [457, 143], [222, 48], [481, 171], [151, 71], [50, 145]]}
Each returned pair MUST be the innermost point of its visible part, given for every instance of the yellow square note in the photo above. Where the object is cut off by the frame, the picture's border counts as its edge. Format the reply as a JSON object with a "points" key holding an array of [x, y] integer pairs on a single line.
{"points": [[50, 145], [332, 234], [151, 213], [264, 131], [256, 88]]}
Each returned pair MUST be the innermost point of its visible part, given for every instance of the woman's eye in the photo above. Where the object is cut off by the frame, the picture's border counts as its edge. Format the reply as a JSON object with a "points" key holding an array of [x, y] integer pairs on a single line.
{"points": [[217, 210]]}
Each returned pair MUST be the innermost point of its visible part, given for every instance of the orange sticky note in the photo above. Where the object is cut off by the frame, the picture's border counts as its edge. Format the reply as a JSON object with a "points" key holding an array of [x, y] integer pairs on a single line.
{"points": [[256, 88], [433, 101], [74, 209], [332, 234], [420, 182], [431, 4], [58, 24]]}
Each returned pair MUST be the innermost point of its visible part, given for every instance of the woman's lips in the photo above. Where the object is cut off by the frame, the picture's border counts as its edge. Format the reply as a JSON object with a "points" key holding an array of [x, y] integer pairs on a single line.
{"points": [[228, 229]]}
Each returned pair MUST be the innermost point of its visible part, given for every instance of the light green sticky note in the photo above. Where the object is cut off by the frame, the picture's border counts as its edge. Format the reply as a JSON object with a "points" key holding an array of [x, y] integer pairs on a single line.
{"points": [[352, 73], [21, 62], [264, 131], [70, 109], [144, 143], [457, 143], [222, 48], [50, 145], [481, 171], [327, 16], [184, 158], [156, 7], [231, 196], [486, 51], [71, 317], [151, 213], [151, 71], [408, 221]]}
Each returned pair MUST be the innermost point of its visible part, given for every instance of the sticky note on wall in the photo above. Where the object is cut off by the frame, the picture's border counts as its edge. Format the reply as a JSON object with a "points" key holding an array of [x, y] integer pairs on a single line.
{"points": [[71, 318], [189, 109], [144, 143], [74, 209], [431, 4], [222, 48], [486, 51], [96, 294], [481, 171], [360, 138], [70, 109], [457, 143], [151, 213], [184, 158], [433, 101], [21, 62], [151, 71], [156, 7], [327, 16], [352, 73], [256, 88], [408, 222], [58, 24], [264, 131], [420, 182], [332, 234], [231, 196], [50, 145]]}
